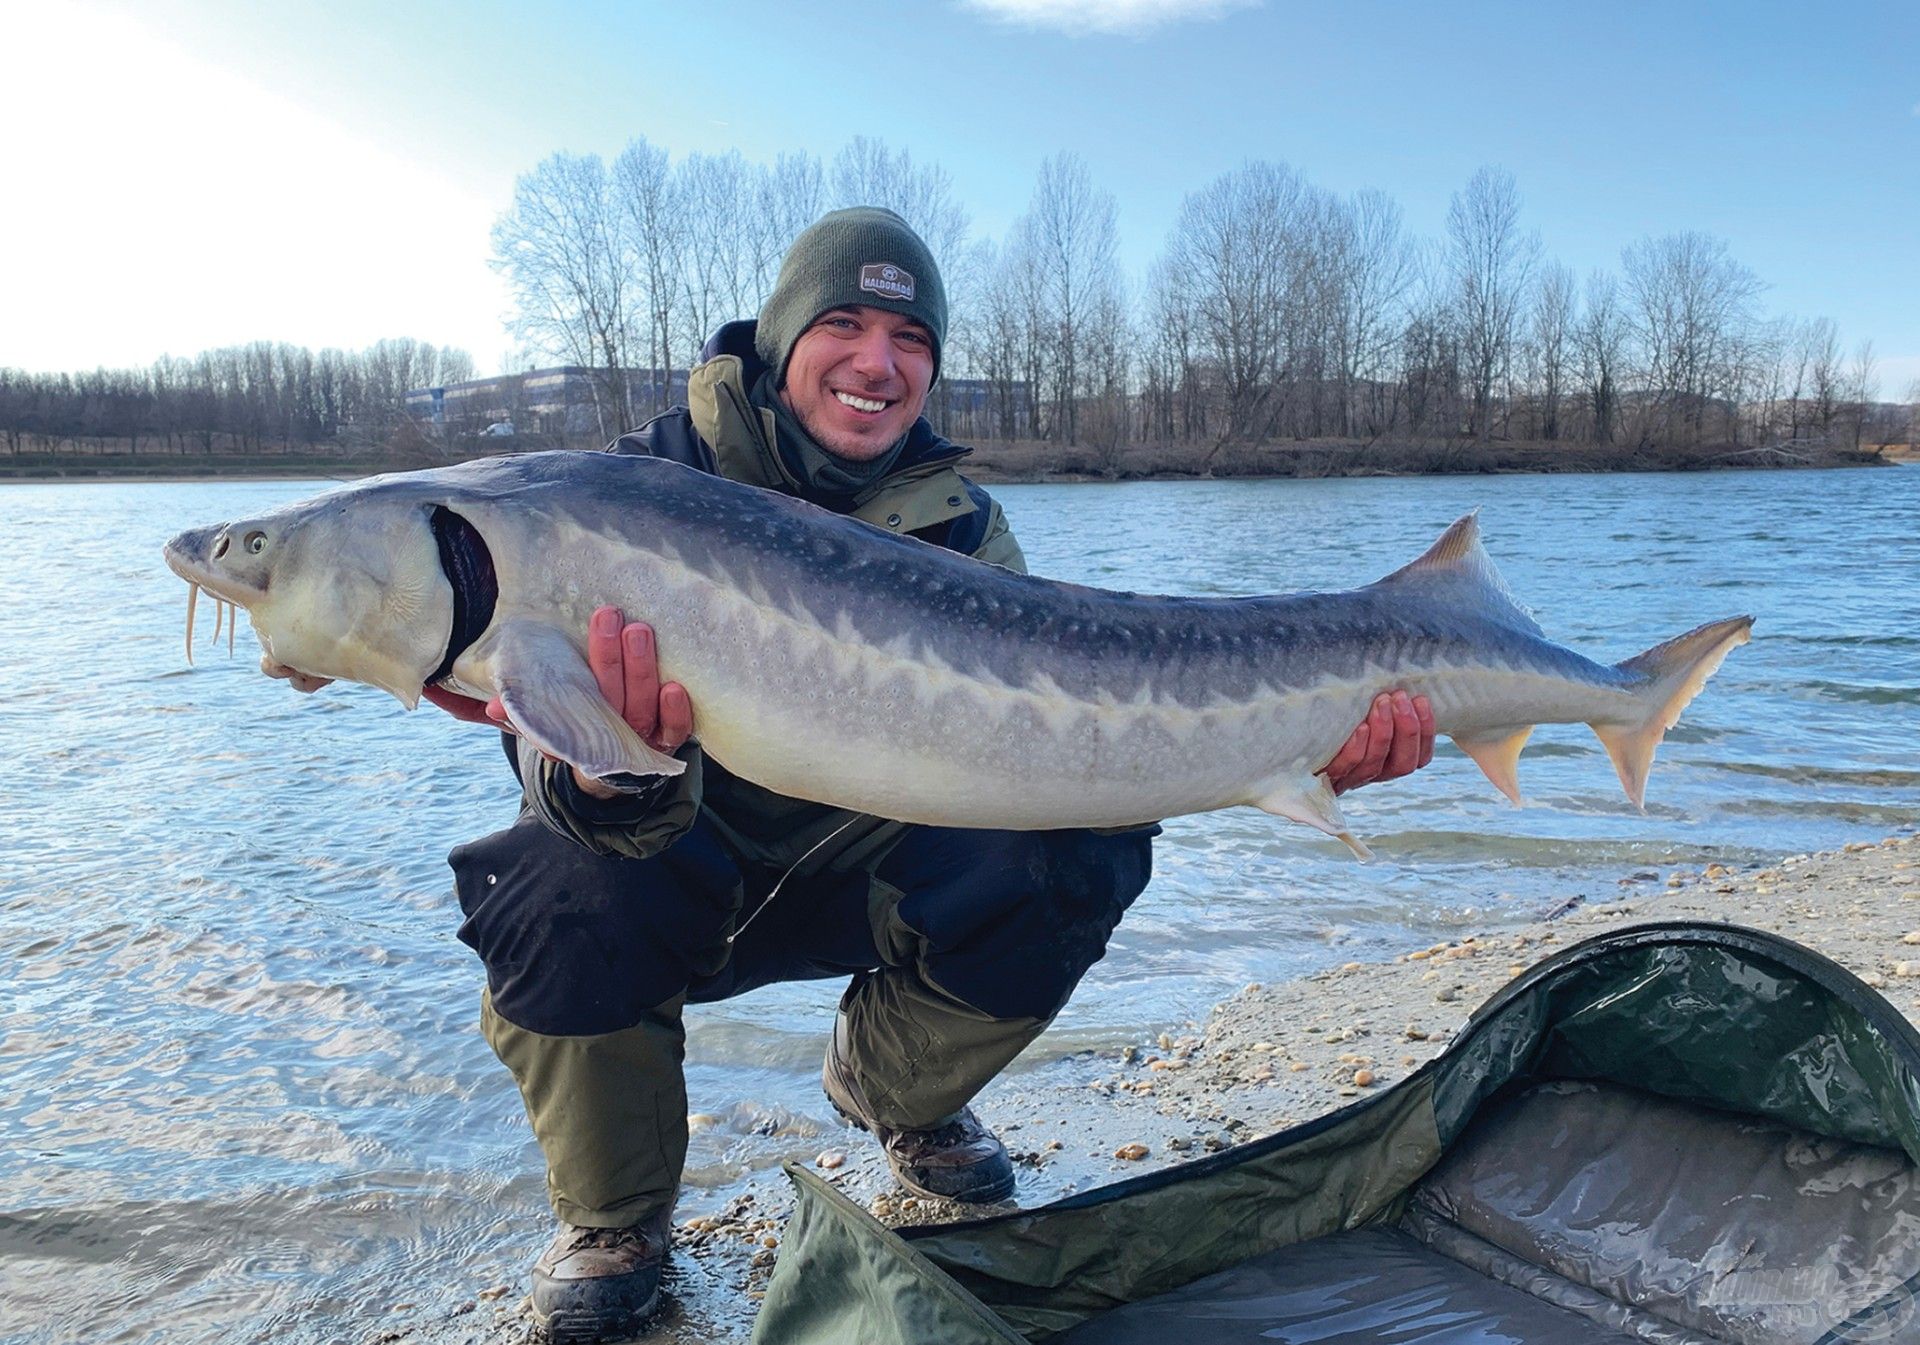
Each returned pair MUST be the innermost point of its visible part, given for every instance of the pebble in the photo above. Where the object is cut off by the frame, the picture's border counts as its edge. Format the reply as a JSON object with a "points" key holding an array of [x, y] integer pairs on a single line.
{"points": [[1874, 979], [1446, 994], [1363, 1077], [1906, 969], [1297, 1066], [1914, 937], [831, 1159], [1131, 1153], [1416, 1033], [497, 1291]]}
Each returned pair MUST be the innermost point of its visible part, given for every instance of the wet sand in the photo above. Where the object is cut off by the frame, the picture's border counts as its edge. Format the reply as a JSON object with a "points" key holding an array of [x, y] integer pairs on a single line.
{"points": [[1270, 1056]]}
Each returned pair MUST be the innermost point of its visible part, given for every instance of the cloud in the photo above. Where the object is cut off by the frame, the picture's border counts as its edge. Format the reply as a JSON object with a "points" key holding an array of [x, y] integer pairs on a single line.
{"points": [[1130, 17]]}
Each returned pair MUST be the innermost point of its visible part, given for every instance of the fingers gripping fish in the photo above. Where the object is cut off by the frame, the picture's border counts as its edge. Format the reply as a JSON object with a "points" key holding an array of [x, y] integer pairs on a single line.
{"points": [[835, 662]]}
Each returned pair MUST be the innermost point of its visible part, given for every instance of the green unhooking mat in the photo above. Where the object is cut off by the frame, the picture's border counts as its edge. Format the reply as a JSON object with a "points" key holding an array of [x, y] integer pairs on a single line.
{"points": [[1681, 1134]]}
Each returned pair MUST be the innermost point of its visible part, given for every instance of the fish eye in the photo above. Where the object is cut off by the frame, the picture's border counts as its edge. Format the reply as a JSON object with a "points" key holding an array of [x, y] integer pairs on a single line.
{"points": [[256, 542]]}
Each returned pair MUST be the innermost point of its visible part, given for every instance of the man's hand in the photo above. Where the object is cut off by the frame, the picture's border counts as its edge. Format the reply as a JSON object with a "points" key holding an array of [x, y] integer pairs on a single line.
{"points": [[1395, 739], [627, 668]]}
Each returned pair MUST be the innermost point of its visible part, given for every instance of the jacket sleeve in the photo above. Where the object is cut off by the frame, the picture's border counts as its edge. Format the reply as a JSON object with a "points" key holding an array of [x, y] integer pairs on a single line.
{"points": [[635, 825], [998, 547]]}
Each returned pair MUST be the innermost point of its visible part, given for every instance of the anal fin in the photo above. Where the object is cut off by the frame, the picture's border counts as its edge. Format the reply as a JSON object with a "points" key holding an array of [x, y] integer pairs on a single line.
{"points": [[1498, 757], [1312, 802], [551, 697]]}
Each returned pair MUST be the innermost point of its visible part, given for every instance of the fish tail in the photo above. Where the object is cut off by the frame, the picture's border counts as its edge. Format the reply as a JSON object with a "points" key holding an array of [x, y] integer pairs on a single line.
{"points": [[1671, 675]]}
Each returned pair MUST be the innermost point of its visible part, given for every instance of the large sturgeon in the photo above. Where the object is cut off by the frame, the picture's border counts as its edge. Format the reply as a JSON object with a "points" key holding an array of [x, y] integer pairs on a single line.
{"points": [[829, 660]]}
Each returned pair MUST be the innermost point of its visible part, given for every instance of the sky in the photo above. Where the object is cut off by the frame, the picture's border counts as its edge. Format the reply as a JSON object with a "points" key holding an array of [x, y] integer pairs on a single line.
{"points": [[179, 175]]}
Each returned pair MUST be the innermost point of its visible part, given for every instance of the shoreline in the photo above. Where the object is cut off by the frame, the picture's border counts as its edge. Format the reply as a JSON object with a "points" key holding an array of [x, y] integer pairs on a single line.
{"points": [[1022, 463], [1265, 1058]]}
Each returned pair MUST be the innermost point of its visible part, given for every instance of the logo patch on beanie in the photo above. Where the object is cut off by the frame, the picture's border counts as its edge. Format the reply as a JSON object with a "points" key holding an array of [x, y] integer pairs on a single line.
{"points": [[888, 281]]}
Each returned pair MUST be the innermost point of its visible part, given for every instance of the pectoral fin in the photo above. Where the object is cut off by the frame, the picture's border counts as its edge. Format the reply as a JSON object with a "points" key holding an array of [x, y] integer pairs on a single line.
{"points": [[1312, 801], [1498, 757], [551, 697]]}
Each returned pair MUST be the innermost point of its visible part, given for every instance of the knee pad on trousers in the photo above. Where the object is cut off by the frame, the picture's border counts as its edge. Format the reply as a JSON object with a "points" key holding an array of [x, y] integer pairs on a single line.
{"points": [[1012, 920], [576, 943]]}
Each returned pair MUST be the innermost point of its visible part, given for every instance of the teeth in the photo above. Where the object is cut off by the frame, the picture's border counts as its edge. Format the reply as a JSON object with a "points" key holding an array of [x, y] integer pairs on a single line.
{"points": [[860, 403]]}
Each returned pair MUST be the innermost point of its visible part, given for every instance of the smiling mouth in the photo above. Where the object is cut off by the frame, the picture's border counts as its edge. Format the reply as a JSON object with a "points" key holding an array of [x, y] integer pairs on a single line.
{"points": [[867, 405]]}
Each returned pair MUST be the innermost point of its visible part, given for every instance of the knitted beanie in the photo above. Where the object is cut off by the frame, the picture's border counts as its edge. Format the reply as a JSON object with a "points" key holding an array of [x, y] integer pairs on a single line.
{"points": [[863, 255]]}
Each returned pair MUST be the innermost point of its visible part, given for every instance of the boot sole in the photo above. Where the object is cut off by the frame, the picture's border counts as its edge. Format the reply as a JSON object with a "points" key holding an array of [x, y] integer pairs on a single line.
{"points": [[598, 1328], [579, 1326]]}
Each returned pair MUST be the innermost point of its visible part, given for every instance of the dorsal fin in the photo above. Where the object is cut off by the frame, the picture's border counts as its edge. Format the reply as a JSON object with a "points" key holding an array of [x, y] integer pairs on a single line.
{"points": [[1457, 561]]}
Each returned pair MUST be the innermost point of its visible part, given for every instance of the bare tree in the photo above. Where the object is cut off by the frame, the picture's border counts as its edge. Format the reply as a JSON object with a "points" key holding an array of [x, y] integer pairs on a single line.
{"points": [[1863, 388], [649, 206], [1692, 307], [1233, 259], [866, 172], [563, 248], [1491, 260], [1370, 264], [1074, 237], [1820, 352], [787, 198], [1600, 343], [1550, 343], [715, 193]]}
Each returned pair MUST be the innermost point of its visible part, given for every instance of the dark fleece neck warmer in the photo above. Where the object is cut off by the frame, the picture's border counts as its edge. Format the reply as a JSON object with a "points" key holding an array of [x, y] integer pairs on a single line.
{"points": [[822, 474]]}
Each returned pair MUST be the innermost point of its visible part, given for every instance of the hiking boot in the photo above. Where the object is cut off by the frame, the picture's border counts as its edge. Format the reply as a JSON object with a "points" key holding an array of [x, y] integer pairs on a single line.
{"points": [[599, 1284], [957, 1158]]}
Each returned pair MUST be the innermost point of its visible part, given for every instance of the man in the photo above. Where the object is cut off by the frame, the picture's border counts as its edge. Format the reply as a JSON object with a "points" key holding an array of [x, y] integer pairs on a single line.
{"points": [[610, 905]]}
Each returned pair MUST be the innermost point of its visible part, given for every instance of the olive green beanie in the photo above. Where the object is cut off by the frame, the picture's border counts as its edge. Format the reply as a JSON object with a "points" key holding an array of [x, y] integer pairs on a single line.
{"points": [[863, 255]]}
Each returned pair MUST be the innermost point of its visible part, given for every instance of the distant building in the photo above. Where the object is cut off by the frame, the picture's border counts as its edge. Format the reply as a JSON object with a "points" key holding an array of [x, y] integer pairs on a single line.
{"points": [[539, 401]]}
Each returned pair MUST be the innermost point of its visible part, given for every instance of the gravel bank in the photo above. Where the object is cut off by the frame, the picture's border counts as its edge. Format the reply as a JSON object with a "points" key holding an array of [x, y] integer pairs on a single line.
{"points": [[1266, 1058]]}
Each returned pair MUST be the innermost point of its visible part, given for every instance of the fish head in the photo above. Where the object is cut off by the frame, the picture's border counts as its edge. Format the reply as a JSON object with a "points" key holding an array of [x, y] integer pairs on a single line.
{"points": [[348, 585]]}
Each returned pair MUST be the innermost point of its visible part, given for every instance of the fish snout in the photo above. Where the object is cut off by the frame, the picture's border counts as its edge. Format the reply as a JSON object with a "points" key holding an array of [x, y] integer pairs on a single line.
{"points": [[229, 560]]}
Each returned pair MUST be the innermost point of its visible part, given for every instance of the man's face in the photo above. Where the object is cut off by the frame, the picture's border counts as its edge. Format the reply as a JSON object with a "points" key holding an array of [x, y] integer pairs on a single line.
{"points": [[858, 379]]}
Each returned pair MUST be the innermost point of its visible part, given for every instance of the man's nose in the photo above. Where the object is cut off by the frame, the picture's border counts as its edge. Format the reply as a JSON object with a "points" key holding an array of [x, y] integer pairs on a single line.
{"points": [[873, 355]]}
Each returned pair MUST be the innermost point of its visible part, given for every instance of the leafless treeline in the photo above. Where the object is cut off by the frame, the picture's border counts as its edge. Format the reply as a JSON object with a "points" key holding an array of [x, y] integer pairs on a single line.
{"points": [[246, 398], [1276, 310]]}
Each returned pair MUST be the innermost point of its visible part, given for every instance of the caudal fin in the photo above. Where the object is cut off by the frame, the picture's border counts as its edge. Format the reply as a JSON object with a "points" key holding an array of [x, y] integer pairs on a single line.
{"points": [[1674, 673]]}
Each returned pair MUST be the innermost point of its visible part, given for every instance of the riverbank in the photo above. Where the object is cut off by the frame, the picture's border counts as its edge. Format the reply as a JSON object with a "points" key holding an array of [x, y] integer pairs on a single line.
{"points": [[1032, 462], [995, 462], [1268, 1057]]}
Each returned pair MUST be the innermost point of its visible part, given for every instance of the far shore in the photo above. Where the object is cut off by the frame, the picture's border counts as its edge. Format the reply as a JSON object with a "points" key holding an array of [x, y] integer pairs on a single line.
{"points": [[1016, 461]]}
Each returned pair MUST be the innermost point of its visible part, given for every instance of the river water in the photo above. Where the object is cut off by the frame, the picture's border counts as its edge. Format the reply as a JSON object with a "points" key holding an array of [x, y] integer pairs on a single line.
{"points": [[245, 1098]]}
